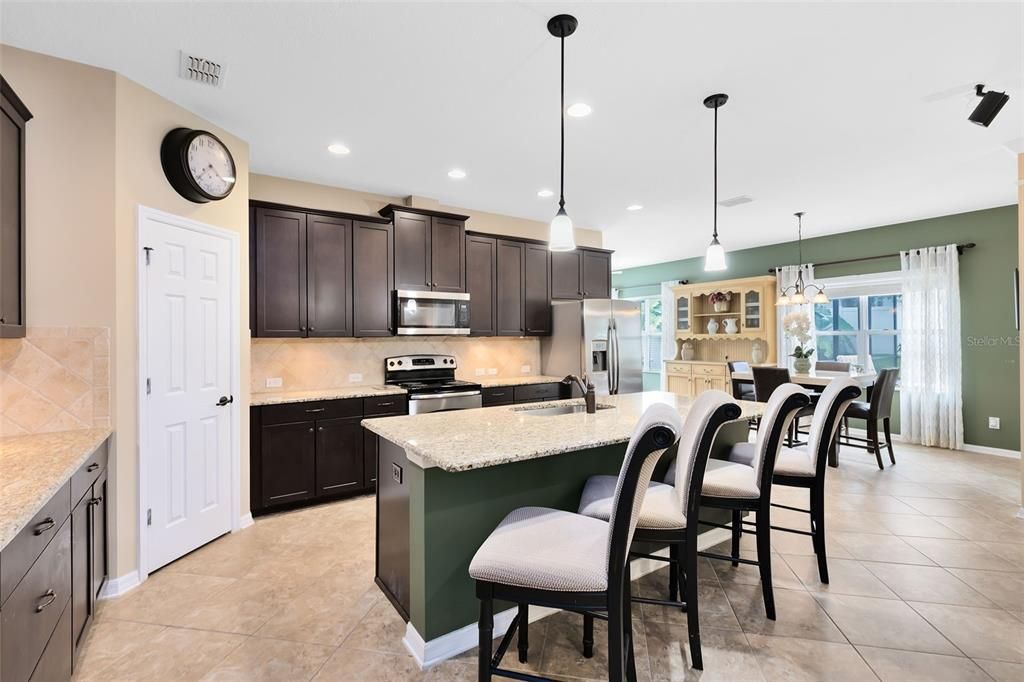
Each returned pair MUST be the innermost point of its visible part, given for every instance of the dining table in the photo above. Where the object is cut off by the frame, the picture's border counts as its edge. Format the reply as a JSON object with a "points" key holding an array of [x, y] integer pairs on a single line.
{"points": [[816, 380]]}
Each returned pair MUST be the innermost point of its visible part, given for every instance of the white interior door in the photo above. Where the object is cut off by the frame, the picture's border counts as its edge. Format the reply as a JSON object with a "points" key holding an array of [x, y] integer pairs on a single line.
{"points": [[188, 408]]}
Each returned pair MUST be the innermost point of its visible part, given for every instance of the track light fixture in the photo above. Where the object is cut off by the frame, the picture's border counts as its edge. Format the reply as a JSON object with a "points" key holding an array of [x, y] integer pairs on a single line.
{"points": [[990, 105]]}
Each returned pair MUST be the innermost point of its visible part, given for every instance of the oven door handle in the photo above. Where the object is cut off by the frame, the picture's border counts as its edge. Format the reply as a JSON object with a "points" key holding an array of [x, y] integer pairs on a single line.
{"points": [[438, 396]]}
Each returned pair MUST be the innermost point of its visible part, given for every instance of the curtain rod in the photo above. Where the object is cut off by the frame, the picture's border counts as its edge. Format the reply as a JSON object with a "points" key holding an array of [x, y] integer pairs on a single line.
{"points": [[960, 248]]}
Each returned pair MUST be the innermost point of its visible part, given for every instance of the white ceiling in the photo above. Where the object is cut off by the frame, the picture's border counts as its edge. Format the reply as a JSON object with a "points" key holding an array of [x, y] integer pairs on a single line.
{"points": [[855, 113]]}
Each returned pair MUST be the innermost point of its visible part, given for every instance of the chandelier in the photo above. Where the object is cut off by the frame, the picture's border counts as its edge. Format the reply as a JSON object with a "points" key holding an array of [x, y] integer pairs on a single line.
{"points": [[798, 292]]}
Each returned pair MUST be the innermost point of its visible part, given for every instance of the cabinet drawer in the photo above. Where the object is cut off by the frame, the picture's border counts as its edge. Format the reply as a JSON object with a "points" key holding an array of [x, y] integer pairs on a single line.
{"points": [[314, 409], [384, 404], [536, 392], [56, 662], [87, 474], [497, 395], [678, 370], [27, 545], [709, 370], [35, 607]]}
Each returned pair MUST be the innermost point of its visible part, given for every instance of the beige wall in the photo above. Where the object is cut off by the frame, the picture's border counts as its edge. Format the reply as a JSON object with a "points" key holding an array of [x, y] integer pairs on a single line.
{"points": [[310, 195], [143, 118]]}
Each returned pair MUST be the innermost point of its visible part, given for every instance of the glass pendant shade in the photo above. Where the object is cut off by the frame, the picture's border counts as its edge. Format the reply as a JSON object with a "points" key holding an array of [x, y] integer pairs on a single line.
{"points": [[782, 300], [798, 298], [714, 258], [820, 297], [561, 236]]}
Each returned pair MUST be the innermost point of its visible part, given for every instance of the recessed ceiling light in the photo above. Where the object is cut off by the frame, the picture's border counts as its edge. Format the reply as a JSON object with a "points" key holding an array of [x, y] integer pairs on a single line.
{"points": [[579, 110], [456, 173], [635, 207], [545, 193], [337, 148]]}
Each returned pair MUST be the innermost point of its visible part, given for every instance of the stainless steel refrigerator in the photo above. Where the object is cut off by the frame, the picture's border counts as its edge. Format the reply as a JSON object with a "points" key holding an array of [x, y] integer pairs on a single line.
{"points": [[600, 338]]}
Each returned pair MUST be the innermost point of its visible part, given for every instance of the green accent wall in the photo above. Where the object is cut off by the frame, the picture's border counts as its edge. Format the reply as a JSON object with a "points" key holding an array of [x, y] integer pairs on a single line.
{"points": [[990, 342]]}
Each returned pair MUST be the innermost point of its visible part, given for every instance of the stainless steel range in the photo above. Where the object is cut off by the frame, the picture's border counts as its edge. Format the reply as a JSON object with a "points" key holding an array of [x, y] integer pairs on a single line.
{"points": [[431, 383]]}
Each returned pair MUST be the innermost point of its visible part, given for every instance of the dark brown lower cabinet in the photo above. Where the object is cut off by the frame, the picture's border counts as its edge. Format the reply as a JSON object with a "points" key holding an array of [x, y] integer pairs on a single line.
{"points": [[288, 462], [98, 535], [370, 450], [57, 661], [339, 456]]}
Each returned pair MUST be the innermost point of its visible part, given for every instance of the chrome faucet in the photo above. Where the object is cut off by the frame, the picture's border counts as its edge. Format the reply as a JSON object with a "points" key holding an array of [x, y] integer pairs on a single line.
{"points": [[587, 386]]}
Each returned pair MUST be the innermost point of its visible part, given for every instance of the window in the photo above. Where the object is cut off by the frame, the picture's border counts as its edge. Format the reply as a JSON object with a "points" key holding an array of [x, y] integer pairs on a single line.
{"points": [[650, 319], [862, 330]]}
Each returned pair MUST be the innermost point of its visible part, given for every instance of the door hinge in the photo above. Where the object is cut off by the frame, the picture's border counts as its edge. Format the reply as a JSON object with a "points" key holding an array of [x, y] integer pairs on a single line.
{"points": [[149, 385], [148, 250], [149, 517]]}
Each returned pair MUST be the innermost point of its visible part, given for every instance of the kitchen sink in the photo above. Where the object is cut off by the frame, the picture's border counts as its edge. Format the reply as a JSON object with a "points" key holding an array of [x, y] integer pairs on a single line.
{"points": [[555, 410]]}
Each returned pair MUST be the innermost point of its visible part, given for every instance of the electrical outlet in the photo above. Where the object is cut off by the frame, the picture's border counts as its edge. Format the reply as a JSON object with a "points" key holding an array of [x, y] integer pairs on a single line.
{"points": [[274, 382], [355, 378], [492, 371], [993, 423], [525, 369], [479, 371]]}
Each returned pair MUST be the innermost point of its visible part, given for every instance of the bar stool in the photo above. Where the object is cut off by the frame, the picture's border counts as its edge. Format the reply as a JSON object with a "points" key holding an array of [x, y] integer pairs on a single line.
{"points": [[567, 561], [878, 408], [740, 488], [666, 508], [804, 467]]}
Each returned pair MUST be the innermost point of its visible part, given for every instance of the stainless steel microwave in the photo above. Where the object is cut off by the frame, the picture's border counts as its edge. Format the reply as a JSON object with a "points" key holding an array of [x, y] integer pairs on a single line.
{"points": [[431, 313]]}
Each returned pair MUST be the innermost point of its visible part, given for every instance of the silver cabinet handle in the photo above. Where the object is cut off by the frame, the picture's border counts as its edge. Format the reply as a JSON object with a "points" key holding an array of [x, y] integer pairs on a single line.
{"points": [[47, 599]]}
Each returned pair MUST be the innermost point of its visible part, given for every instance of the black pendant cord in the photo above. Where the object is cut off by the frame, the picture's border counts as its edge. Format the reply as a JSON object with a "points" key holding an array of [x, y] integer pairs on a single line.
{"points": [[715, 234], [561, 178]]}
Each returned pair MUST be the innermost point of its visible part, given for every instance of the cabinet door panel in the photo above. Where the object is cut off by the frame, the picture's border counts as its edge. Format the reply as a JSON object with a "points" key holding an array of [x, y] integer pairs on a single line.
{"points": [[370, 447], [510, 288], [566, 275], [481, 281], [536, 290], [339, 456], [373, 278], [12, 235], [412, 251], [447, 255], [329, 276], [98, 537], [81, 583], [288, 460], [597, 274], [280, 273]]}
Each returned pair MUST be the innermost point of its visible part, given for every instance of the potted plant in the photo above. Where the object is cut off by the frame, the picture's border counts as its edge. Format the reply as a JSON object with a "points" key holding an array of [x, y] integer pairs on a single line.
{"points": [[720, 301], [797, 326]]}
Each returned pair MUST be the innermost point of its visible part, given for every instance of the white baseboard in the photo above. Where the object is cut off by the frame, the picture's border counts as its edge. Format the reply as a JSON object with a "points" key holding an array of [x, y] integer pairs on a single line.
{"points": [[115, 587], [244, 522], [968, 447], [429, 654]]}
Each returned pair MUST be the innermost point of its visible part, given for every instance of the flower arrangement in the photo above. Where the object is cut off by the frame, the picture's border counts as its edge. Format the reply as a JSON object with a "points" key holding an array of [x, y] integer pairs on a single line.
{"points": [[719, 297], [797, 326]]}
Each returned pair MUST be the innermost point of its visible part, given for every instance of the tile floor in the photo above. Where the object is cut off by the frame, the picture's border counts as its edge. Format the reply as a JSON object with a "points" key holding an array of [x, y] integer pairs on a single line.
{"points": [[926, 561]]}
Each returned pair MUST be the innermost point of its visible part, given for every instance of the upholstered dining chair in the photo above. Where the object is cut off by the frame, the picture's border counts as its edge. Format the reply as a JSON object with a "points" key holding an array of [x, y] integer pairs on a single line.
{"points": [[558, 559], [877, 409], [741, 389], [669, 512], [766, 380], [804, 466]]}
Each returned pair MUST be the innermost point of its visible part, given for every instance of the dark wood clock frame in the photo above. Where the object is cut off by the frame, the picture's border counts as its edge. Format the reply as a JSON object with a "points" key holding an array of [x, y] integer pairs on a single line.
{"points": [[174, 159]]}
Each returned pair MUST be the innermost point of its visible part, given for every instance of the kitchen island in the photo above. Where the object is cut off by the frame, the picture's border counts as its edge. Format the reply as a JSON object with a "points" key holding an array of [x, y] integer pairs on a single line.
{"points": [[446, 479]]}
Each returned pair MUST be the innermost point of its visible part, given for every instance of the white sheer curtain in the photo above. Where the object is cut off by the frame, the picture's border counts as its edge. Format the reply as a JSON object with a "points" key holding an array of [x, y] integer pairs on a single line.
{"points": [[787, 277], [931, 403], [668, 327]]}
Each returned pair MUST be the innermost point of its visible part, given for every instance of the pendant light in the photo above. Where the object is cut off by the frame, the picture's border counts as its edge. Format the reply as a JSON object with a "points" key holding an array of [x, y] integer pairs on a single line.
{"points": [[714, 259], [561, 236], [796, 293]]}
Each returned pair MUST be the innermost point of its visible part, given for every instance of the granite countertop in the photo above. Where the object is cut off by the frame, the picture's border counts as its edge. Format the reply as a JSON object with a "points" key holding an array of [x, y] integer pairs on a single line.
{"points": [[35, 467], [281, 397], [490, 382], [479, 438]]}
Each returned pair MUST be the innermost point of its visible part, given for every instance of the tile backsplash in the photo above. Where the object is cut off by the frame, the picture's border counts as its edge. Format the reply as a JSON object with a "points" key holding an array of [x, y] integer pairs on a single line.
{"points": [[313, 364], [55, 379]]}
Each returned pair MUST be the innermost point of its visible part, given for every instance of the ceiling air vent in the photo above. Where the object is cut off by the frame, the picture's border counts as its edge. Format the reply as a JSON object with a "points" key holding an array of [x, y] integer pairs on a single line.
{"points": [[735, 201], [201, 70]]}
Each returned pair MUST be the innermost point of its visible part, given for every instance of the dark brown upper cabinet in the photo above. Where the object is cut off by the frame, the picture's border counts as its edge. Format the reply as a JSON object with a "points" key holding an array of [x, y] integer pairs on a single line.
{"points": [[319, 273], [15, 116], [511, 255], [536, 290], [430, 249], [582, 273], [373, 277], [481, 282]]}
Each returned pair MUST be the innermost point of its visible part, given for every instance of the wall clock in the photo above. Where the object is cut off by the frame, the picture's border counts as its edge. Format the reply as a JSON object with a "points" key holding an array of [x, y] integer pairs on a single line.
{"points": [[198, 165]]}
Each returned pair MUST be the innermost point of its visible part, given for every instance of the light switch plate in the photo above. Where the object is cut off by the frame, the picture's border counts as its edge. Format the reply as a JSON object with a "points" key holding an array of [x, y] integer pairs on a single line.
{"points": [[274, 382], [525, 369], [355, 378], [993, 423], [479, 371], [492, 370]]}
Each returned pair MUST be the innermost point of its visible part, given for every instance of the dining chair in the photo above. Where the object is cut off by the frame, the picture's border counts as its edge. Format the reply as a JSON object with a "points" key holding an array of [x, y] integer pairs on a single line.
{"points": [[766, 381], [557, 559], [877, 408], [741, 389], [830, 366], [669, 512], [739, 488], [804, 467]]}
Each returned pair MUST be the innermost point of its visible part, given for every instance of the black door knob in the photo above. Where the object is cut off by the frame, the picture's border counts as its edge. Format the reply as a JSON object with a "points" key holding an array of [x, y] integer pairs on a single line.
{"points": [[224, 400]]}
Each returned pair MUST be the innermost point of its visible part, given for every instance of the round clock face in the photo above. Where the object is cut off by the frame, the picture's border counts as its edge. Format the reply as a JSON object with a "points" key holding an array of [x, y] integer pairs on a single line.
{"points": [[210, 165]]}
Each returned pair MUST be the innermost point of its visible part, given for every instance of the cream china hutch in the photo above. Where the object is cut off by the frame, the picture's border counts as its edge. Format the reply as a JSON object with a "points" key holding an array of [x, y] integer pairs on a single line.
{"points": [[717, 323]]}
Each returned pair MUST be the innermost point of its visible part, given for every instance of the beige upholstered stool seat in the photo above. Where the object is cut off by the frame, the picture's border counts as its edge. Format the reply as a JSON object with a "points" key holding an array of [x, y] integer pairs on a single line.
{"points": [[729, 479], [545, 549], [790, 462], [662, 508]]}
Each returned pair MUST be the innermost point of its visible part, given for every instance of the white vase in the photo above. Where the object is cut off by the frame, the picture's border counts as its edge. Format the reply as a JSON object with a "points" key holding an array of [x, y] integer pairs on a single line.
{"points": [[730, 325], [712, 326], [757, 354]]}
